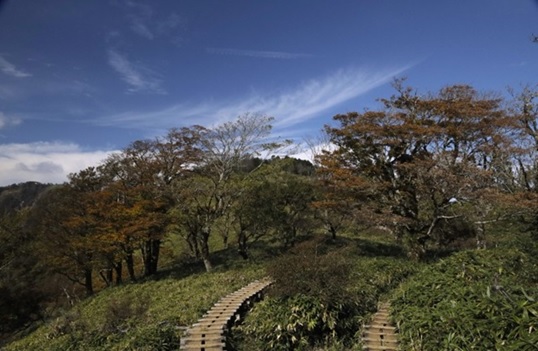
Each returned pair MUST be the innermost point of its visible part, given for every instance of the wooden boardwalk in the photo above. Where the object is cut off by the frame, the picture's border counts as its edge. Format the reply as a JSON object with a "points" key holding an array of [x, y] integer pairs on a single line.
{"points": [[380, 335], [209, 333]]}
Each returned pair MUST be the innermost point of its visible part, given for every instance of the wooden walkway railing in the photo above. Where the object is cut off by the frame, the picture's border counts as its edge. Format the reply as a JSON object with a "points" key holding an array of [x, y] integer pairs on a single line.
{"points": [[209, 333]]}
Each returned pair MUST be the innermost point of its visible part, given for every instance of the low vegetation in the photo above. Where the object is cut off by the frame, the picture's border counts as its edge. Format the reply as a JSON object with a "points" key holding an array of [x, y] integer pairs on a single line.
{"points": [[322, 295], [143, 316], [473, 300]]}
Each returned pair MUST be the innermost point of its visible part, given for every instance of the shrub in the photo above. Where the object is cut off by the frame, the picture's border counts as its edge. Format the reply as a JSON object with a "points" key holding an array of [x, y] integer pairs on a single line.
{"points": [[320, 299], [309, 303], [120, 312]]}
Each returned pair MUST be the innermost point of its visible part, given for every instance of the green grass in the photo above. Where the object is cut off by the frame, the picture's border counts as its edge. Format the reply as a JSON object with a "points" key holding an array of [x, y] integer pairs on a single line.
{"points": [[473, 300], [142, 316], [152, 314]]}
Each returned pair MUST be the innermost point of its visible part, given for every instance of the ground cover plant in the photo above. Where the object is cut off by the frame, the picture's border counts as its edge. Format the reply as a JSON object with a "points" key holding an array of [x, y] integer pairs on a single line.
{"points": [[473, 300]]}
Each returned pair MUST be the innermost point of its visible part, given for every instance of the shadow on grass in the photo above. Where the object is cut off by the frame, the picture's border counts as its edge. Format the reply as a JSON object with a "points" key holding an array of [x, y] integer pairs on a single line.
{"points": [[264, 251], [371, 248], [225, 259]]}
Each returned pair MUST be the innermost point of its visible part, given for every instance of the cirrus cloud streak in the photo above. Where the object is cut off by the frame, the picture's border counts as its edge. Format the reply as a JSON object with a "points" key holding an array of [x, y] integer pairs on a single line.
{"points": [[138, 77], [290, 107], [11, 70]]}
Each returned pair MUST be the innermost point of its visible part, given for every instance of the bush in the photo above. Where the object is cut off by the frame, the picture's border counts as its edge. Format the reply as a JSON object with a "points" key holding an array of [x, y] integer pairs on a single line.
{"points": [[120, 312], [309, 303], [320, 299]]}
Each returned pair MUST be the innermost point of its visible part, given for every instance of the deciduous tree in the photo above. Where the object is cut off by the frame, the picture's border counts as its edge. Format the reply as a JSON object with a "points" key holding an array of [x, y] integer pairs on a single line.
{"points": [[409, 165]]}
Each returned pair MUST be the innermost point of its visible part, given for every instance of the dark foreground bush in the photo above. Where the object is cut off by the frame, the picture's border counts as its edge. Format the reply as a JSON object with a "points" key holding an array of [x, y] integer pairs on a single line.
{"points": [[320, 298], [474, 300]]}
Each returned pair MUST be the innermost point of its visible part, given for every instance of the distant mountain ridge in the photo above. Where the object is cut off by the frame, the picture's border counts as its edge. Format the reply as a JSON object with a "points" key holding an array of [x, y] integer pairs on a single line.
{"points": [[16, 196]]}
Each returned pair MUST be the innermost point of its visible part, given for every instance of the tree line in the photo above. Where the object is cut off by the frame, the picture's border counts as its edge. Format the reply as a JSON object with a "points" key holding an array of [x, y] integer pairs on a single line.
{"points": [[427, 169]]}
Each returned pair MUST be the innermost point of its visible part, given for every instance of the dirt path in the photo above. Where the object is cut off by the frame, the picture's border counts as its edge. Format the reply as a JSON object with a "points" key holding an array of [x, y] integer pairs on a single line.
{"points": [[209, 334], [380, 335]]}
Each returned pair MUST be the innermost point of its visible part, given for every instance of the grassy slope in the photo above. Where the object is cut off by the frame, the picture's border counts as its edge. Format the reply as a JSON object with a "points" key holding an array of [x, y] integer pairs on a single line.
{"points": [[159, 308], [473, 300], [163, 307]]}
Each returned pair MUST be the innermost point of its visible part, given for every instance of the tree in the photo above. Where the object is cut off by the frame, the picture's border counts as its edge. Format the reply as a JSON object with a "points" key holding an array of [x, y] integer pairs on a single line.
{"points": [[144, 176], [412, 165], [21, 276], [525, 170], [274, 201], [210, 192], [66, 241]]}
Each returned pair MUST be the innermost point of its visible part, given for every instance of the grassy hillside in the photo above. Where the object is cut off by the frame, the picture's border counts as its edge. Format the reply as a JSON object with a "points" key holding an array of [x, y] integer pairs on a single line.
{"points": [[141, 316], [325, 290]]}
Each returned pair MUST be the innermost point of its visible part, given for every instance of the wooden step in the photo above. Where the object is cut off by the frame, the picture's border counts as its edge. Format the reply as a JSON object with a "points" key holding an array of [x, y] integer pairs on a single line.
{"points": [[380, 327], [203, 341], [205, 347], [379, 348], [378, 342], [379, 336]]}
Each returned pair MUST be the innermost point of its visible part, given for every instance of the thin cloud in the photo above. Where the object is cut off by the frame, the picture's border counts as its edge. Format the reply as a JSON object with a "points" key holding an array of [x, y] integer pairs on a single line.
{"points": [[138, 77], [7, 121], [149, 24], [290, 108], [258, 54], [44, 162], [9, 69], [139, 17], [140, 28]]}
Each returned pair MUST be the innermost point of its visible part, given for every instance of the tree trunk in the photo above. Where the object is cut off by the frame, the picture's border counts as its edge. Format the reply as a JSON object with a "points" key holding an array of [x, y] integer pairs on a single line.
{"points": [[88, 281], [129, 261], [155, 252], [481, 236], [150, 254], [204, 238], [119, 272], [225, 240], [193, 245], [332, 231], [242, 245]]}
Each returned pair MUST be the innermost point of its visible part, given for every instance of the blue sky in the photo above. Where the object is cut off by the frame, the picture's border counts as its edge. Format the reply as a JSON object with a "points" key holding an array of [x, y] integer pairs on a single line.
{"points": [[80, 79]]}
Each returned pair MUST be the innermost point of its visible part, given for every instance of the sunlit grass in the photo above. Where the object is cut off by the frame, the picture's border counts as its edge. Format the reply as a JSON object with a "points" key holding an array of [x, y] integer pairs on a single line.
{"points": [[172, 305]]}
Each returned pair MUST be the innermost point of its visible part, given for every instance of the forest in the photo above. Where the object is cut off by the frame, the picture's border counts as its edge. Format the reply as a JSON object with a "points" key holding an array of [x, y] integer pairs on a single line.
{"points": [[426, 175]]}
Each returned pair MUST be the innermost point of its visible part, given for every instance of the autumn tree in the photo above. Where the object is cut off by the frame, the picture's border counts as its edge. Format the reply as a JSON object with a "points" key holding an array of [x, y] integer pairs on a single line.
{"points": [[525, 180], [67, 231], [420, 162], [144, 176]]}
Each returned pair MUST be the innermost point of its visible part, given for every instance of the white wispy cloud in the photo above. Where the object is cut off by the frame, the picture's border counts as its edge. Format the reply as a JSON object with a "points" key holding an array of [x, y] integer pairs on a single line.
{"points": [[258, 54], [44, 162], [7, 121], [138, 77], [148, 23], [140, 28], [308, 100], [9, 69]]}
